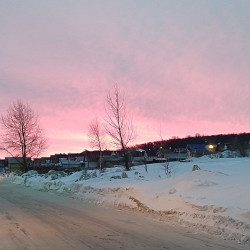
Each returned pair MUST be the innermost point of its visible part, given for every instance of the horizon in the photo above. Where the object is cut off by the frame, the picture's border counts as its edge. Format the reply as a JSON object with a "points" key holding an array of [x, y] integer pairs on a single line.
{"points": [[133, 146], [183, 66]]}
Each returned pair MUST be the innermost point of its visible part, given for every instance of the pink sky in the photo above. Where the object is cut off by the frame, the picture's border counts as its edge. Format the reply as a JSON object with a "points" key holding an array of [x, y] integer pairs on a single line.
{"points": [[183, 65]]}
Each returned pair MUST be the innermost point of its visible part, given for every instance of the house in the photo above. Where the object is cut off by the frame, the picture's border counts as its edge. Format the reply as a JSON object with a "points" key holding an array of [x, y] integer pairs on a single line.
{"points": [[2, 166], [138, 155], [109, 158], [91, 159], [161, 154], [55, 158], [2, 163], [112, 158], [15, 163], [41, 162], [151, 155], [70, 164], [196, 149], [179, 154], [222, 146]]}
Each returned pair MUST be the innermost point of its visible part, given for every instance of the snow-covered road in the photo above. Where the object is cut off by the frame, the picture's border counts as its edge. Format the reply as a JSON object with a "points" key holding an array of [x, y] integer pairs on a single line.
{"points": [[32, 219]]}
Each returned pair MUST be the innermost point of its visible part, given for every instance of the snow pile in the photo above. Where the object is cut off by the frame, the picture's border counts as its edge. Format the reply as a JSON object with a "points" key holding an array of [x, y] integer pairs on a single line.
{"points": [[214, 199]]}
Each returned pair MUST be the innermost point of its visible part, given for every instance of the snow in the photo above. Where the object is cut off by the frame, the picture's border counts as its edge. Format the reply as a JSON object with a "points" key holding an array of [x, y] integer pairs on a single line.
{"points": [[214, 199]]}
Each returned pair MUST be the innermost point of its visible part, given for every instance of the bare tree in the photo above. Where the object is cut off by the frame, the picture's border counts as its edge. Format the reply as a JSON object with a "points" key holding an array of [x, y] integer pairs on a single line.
{"points": [[118, 127], [96, 136], [22, 135]]}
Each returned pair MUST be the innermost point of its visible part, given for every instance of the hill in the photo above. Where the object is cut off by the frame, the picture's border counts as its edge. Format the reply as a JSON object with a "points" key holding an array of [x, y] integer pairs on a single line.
{"points": [[235, 141]]}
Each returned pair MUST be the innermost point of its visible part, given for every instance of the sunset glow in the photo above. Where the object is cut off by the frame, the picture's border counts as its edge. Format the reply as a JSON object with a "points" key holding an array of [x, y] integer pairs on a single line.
{"points": [[183, 65]]}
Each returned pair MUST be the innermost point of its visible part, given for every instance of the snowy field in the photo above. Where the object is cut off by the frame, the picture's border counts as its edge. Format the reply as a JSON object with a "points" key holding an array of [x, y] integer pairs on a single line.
{"points": [[214, 199]]}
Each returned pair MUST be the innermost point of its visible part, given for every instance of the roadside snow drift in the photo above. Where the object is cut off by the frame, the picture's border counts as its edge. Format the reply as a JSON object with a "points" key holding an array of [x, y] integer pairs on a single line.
{"points": [[214, 199]]}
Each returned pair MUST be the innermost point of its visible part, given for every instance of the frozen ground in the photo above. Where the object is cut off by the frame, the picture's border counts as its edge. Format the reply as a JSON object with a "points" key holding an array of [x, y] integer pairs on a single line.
{"points": [[214, 199]]}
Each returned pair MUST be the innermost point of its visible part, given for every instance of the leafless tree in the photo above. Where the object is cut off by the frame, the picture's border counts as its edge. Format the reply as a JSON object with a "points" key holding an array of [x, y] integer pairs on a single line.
{"points": [[118, 126], [96, 136], [22, 135]]}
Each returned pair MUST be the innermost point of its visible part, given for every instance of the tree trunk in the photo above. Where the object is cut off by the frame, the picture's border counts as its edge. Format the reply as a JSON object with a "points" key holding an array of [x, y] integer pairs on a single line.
{"points": [[100, 161], [25, 165], [126, 160]]}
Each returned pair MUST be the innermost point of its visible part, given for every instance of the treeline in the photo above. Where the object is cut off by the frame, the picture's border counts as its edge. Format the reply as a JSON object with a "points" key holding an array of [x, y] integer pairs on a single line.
{"points": [[234, 141]]}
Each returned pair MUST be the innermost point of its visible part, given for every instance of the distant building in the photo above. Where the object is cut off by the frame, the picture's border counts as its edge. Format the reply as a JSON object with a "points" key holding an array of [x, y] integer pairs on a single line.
{"points": [[138, 155], [178, 154], [2, 166], [55, 158], [69, 164], [15, 164], [222, 146], [162, 153], [196, 150]]}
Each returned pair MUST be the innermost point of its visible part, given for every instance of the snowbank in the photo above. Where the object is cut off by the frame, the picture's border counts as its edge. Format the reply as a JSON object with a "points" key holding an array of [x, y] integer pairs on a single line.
{"points": [[214, 199]]}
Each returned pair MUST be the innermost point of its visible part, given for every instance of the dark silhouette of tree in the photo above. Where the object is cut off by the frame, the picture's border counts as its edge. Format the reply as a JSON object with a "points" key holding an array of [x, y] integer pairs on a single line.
{"points": [[240, 142], [118, 126], [22, 135]]}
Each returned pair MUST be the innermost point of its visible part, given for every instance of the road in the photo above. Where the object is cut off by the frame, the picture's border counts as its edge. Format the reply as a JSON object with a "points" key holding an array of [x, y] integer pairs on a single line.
{"points": [[31, 219]]}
